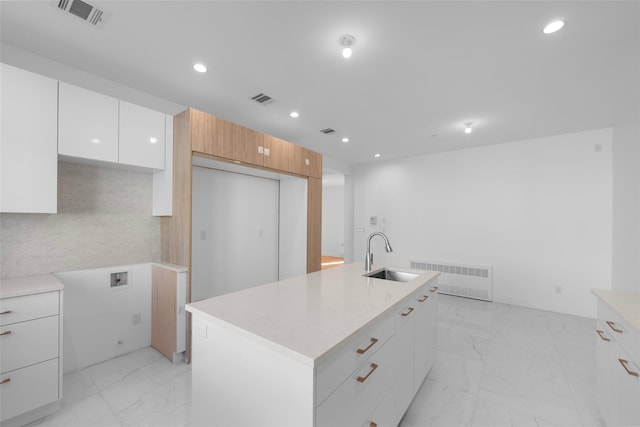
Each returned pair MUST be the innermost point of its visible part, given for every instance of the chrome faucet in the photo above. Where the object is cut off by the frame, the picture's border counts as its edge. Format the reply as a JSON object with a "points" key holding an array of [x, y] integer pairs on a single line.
{"points": [[369, 256]]}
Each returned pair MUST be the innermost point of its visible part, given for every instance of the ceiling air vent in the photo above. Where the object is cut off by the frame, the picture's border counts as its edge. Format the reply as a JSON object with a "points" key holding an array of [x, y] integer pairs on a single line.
{"points": [[261, 98], [328, 131], [83, 10]]}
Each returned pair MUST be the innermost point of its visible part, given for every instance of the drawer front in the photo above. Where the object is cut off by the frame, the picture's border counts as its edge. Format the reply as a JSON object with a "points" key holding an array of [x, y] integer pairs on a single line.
{"points": [[363, 391], [345, 360], [620, 330], [28, 388], [28, 307], [27, 343]]}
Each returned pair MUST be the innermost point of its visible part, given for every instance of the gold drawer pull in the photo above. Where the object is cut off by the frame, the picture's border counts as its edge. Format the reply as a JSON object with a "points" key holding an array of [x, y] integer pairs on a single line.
{"points": [[423, 298], [364, 350], [410, 310], [626, 368], [611, 325], [363, 379], [6, 380], [601, 333], [6, 312], [372, 424], [6, 333], [435, 288]]}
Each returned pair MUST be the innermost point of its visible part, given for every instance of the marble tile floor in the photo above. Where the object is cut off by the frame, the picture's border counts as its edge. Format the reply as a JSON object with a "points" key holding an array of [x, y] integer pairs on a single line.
{"points": [[497, 365]]}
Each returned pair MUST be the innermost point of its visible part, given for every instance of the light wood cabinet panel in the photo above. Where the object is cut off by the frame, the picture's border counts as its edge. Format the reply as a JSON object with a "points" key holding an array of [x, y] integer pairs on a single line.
{"points": [[204, 132], [240, 143], [28, 142], [277, 153], [141, 136], [314, 224], [87, 124], [163, 310], [306, 162]]}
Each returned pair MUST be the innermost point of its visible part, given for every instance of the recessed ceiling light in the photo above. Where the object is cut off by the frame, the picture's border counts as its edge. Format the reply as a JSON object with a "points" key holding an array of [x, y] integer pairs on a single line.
{"points": [[554, 26], [346, 42], [200, 68], [153, 140], [345, 139], [376, 155], [294, 114]]}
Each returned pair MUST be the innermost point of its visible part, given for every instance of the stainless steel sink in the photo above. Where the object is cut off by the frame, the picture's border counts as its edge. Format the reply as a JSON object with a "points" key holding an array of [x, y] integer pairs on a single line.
{"points": [[394, 275]]}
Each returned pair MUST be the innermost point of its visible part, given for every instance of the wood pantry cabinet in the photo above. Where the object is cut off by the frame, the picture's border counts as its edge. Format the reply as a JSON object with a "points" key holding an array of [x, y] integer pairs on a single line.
{"points": [[28, 142]]}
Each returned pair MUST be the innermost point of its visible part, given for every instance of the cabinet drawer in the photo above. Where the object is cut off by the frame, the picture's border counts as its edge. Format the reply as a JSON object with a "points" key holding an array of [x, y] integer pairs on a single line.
{"points": [[28, 388], [19, 309], [27, 343], [333, 371], [621, 331], [361, 393]]}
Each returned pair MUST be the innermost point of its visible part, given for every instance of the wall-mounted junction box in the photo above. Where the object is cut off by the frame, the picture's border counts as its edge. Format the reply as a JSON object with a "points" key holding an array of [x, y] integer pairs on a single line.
{"points": [[119, 279]]}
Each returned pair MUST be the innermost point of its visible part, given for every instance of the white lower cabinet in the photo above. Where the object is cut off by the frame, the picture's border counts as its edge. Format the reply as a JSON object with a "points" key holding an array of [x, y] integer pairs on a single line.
{"points": [[617, 369], [30, 356]]}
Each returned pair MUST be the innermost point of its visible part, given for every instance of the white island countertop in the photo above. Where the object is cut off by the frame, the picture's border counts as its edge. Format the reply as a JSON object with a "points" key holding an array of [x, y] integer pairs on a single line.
{"points": [[27, 285], [307, 316]]}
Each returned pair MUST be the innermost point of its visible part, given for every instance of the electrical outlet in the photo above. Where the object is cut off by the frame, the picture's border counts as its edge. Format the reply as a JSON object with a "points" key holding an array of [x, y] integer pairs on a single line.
{"points": [[119, 279], [135, 319]]}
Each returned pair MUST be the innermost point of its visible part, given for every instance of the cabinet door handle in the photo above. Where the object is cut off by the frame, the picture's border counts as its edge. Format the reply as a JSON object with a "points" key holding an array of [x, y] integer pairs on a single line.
{"points": [[5, 312], [433, 289], [601, 333], [372, 424], [364, 350], [626, 368], [6, 333], [423, 298], [612, 326], [409, 310], [6, 380], [363, 379]]}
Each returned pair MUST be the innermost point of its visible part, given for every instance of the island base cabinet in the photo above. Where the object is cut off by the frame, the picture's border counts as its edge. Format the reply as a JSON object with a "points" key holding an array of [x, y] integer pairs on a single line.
{"points": [[247, 384]]}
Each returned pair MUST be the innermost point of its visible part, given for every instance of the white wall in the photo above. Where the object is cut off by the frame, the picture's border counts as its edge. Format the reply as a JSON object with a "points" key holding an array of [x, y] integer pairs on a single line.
{"points": [[538, 211], [333, 220], [97, 316], [293, 227], [235, 232], [337, 166]]}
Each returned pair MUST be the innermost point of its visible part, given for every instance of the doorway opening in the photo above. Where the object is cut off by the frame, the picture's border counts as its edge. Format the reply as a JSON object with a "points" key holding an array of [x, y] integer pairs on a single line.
{"points": [[332, 219]]}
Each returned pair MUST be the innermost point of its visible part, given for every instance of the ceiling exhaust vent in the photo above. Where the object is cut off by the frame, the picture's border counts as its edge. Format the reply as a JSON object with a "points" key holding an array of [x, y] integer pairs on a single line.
{"points": [[83, 10], [261, 98], [328, 131]]}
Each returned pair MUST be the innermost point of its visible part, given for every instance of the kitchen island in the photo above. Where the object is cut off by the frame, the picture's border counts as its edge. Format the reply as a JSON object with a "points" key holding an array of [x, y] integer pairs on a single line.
{"points": [[329, 348]]}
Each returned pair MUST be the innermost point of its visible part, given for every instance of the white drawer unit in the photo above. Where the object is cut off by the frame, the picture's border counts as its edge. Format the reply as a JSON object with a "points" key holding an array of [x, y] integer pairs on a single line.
{"points": [[361, 392], [30, 349], [617, 361]]}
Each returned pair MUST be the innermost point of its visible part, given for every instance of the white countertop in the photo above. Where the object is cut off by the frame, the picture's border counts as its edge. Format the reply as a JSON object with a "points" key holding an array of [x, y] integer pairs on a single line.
{"points": [[27, 285], [307, 316], [626, 304]]}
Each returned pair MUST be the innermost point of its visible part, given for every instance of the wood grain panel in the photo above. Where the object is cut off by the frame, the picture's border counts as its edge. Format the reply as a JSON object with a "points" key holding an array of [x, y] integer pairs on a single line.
{"points": [[314, 224], [279, 157], [163, 311], [205, 130]]}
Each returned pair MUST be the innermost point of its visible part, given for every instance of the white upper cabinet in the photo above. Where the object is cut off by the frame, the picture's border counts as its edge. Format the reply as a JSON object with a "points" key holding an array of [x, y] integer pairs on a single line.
{"points": [[142, 136], [88, 124], [28, 142]]}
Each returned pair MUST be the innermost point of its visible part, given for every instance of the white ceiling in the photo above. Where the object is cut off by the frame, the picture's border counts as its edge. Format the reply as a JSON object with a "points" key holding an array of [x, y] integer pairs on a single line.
{"points": [[419, 68]]}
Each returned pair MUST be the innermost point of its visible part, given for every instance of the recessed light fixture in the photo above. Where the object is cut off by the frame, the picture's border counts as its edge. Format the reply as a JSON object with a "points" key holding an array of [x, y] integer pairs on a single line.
{"points": [[376, 155], [554, 26], [467, 127], [294, 114], [345, 139], [200, 68], [153, 140], [95, 141], [346, 42]]}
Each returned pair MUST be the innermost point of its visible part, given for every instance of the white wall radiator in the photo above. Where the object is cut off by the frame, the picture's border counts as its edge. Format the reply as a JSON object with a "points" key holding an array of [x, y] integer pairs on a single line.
{"points": [[471, 281]]}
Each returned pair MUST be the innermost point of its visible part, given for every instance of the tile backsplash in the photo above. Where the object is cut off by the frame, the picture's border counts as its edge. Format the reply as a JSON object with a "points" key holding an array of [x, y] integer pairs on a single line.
{"points": [[104, 218]]}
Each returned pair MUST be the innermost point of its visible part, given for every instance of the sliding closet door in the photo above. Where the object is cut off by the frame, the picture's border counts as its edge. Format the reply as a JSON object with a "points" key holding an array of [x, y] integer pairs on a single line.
{"points": [[235, 232]]}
